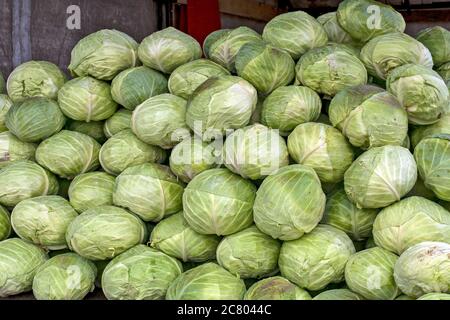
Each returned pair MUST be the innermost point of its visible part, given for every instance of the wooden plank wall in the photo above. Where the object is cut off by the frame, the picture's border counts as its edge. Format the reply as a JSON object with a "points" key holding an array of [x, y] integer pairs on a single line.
{"points": [[36, 29]]}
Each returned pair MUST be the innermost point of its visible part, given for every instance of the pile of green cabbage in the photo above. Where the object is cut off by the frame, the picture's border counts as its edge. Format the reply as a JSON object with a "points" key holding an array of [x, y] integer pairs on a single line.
{"points": [[311, 161]]}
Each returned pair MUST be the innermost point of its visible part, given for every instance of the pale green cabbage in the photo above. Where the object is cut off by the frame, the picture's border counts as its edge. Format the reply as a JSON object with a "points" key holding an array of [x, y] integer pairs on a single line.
{"points": [[161, 120], [92, 189], [175, 237], [317, 258], [370, 273], [221, 46], [43, 220], [424, 268], [133, 86], [35, 79], [64, 277], [19, 263], [295, 32], [168, 49], [287, 107], [249, 253], [265, 66], [35, 119], [124, 150], [218, 201], [330, 68], [369, 117], [103, 54], [366, 19], [322, 148], [255, 152], [68, 154], [149, 190], [384, 53], [433, 161], [86, 99], [104, 232], [13, 149], [208, 281], [380, 177], [25, 179], [411, 221], [290, 218], [186, 78], [140, 273], [276, 288], [343, 214]]}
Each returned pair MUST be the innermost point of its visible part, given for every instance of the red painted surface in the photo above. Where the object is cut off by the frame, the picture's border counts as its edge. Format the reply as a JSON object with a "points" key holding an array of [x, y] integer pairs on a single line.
{"points": [[202, 18]]}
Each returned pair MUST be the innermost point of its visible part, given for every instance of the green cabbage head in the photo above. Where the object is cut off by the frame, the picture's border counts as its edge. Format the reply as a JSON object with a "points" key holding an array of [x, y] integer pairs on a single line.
{"points": [[331, 68], [133, 86], [286, 107], [366, 19], [35, 119], [421, 91], [191, 157], [24, 179], [289, 219], [103, 54], [437, 40], [265, 66], [424, 268], [380, 177], [343, 214], [208, 281], [222, 46], [149, 190], [5, 105], [433, 161], [35, 79], [175, 237], [168, 49], [92, 189], [68, 154], [124, 150], [161, 120], [276, 288], [5, 224], [19, 263], [295, 32], [386, 52], [255, 152], [119, 121], [411, 221], [86, 99], [218, 201], [317, 258], [43, 220], [13, 149], [186, 78], [370, 273], [66, 276], [249, 253], [322, 148], [116, 230], [220, 103], [369, 117], [140, 273]]}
